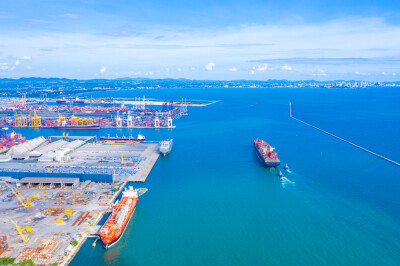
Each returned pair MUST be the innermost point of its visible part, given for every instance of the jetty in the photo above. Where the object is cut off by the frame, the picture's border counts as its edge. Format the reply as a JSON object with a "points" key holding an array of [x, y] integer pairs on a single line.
{"points": [[341, 139]]}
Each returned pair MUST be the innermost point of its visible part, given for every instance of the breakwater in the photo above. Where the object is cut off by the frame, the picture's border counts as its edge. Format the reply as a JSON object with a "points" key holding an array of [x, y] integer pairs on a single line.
{"points": [[339, 138]]}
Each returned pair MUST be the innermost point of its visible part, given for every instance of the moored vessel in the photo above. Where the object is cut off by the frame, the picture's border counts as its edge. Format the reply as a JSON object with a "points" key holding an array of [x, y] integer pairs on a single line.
{"points": [[77, 127], [113, 229], [140, 138], [79, 101], [266, 153], [63, 100], [166, 146]]}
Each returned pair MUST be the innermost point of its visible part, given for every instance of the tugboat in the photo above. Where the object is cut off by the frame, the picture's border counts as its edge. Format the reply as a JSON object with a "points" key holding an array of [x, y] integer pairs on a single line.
{"points": [[280, 175], [286, 168]]}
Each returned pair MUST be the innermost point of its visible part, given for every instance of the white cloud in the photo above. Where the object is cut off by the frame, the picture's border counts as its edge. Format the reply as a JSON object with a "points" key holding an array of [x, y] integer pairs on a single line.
{"points": [[29, 67], [360, 73], [69, 15], [209, 66], [319, 72], [103, 69], [262, 67], [384, 73], [179, 69], [25, 57], [233, 69], [12, 68], [252, 72], [3, 64], [17, 62], [286, 67], [151, 73], [394, 74]]}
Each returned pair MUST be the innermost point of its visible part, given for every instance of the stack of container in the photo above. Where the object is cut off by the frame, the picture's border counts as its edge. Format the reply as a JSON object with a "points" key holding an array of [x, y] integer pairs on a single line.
{"points": [[9, 140], [3, 244]]}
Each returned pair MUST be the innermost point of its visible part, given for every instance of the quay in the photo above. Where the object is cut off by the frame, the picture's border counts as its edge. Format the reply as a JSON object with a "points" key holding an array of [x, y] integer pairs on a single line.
{"points": [[339, 138], [57, 190]]}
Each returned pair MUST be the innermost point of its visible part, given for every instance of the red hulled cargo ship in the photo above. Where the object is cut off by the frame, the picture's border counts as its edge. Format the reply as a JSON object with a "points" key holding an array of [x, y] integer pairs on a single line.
{"points": [[266, 153], [122, 212]]}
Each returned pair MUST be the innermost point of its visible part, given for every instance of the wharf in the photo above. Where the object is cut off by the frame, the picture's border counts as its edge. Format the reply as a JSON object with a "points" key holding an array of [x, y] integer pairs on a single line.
{"points": [[152, 153], [49, 215]]}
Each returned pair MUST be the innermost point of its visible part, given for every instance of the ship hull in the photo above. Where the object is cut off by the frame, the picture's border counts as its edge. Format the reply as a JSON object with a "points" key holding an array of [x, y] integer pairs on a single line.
{"points": [[267, 162], [113, 229], [109, 245], [121, 139], [77, 127]]}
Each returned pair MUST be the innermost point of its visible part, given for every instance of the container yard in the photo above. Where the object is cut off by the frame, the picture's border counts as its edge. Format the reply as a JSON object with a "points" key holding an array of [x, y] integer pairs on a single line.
{"points": [[55, 190], [72, 114]]}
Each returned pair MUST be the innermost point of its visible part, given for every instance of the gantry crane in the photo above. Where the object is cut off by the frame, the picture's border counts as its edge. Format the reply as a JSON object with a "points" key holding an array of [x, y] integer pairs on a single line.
{"points": [[22, 200]]}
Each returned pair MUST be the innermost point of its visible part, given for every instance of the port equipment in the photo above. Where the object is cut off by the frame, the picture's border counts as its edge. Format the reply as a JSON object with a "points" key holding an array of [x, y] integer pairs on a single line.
{"points": [[20, 231], [61, 121], [22, 200], [37, 120]]}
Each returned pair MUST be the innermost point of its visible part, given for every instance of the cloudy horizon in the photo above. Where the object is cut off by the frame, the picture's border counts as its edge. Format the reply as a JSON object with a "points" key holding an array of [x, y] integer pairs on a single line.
{"points": [[87, 39]]}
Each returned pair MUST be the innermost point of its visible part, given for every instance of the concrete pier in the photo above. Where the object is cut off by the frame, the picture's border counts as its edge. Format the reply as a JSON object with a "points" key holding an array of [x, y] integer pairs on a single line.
{"points": [[339, 138], [151, 154]]}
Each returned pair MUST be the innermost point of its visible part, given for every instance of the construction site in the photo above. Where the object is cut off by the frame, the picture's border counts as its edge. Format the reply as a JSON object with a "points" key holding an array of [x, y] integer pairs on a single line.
{"points": [[55, 190]]}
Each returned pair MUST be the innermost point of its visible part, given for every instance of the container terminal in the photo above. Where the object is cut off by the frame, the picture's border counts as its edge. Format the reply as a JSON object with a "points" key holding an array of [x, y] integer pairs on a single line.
{"points": [[76, 114], [55, 190]]}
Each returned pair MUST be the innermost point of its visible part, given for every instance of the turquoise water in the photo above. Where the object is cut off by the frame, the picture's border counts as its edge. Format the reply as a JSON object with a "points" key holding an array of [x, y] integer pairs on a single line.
{"points": [[211, 202]]}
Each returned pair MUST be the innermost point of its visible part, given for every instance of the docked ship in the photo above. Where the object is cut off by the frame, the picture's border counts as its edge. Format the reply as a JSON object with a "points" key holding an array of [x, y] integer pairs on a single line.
{"points": [[140, 138], [166, 146], [112, 231], [77, 127], [63, 100], [266, 153], [79, 101]]}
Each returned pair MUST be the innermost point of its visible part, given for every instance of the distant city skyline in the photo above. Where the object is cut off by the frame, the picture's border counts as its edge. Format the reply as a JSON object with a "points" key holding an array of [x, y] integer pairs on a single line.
{"points": [[227, 40]]}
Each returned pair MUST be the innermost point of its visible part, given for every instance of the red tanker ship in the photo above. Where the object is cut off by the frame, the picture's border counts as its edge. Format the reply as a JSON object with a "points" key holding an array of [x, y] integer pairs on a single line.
{"points": [[115, 225]]}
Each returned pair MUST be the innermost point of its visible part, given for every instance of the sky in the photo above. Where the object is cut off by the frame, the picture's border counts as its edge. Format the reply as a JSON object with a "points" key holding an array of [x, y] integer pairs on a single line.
{"points": [[220, 39]]}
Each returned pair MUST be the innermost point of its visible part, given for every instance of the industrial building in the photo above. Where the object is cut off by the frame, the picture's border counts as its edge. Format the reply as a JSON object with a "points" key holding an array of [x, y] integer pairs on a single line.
{"points": [[48, 181]]}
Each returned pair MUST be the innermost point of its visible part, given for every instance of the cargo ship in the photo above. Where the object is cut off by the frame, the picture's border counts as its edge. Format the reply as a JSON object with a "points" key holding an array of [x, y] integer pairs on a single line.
{"points": [[112, 231], [140, 138], [63, 100], [77, 127], [166, 146], [266, 153], [79, 101]]}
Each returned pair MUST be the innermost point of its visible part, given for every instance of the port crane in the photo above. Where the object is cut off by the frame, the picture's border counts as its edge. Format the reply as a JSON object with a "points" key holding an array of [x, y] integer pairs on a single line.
{"points": [[22, 200]]}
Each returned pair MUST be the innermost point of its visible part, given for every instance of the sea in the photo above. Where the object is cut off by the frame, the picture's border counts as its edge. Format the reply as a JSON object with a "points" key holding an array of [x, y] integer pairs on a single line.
{"points": [[212, 202]]}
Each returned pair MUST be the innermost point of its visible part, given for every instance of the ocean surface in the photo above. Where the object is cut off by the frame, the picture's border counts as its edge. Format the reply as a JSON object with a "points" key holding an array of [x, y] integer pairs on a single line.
{"points": [[211, 202]]}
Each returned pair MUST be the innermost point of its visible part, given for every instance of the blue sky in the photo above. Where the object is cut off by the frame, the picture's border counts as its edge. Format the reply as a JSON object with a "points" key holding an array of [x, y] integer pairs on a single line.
{"points": [[322, 40]]}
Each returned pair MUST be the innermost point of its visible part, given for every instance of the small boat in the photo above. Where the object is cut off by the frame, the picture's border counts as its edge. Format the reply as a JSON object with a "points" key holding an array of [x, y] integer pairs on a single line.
{"points": [[280, 175], [286, 168]]}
